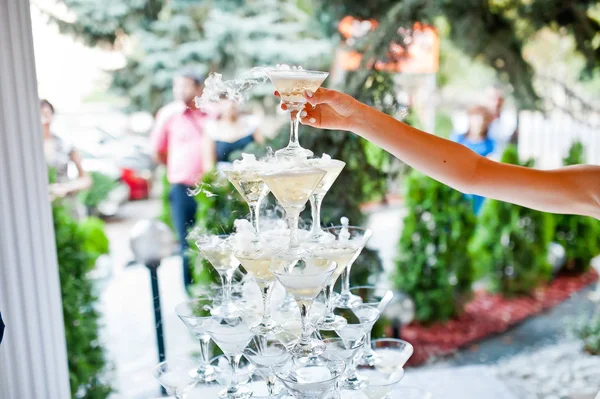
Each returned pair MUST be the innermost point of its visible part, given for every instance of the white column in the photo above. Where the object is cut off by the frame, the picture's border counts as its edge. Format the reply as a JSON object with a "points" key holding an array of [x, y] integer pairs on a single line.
{"points": [[33, 361]]}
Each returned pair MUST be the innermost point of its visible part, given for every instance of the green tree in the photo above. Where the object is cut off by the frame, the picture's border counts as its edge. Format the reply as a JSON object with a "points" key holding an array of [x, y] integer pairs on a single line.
{"points": [[577, 234], [433, 265], [511, 242]]}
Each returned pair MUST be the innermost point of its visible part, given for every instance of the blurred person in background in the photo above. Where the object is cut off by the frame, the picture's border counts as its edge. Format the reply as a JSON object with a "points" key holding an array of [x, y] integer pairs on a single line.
{"points": [[503, 127], [179, 141], [231, 130], [477, 139], [59, 153]]}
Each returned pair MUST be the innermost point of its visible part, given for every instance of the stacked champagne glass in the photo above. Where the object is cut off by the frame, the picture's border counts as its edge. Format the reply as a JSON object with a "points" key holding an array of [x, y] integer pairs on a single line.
{"points": [[270, 350]]}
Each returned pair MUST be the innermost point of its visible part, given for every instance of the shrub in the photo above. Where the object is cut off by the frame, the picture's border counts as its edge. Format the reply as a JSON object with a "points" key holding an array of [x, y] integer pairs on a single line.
{"points": [[433, 265], [101, 187], [77, 248], [511, 243]]}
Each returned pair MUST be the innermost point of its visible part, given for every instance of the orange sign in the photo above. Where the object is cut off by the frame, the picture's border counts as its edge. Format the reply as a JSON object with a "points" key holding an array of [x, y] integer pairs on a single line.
{"points": [[419, 55]]}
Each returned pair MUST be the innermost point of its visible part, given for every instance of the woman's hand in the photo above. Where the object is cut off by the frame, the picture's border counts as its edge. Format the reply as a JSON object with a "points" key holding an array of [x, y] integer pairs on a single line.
{"points": [[328, 109]]}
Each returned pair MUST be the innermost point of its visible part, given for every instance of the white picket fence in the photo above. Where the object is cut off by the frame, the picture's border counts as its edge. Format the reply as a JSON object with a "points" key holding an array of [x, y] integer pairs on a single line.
{"points": [[547, 137]]}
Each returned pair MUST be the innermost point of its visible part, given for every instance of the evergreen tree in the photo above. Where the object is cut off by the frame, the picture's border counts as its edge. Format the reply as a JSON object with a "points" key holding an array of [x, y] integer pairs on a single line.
{"points": [[511, 242], [579, 235], [433, 264]]}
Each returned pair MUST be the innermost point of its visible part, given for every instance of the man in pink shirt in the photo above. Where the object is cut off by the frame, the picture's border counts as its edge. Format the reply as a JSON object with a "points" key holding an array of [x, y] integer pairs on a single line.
{"points": [[179, 141]]}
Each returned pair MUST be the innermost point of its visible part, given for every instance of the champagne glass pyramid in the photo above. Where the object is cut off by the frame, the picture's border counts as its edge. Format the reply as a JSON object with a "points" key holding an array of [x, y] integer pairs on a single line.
{"points": [[371, 297], [303, 279], [245, 175], [193, 314], [292, 184], [291, 85], [359, 237], [232, 335], [217, 249], [332, 168]]}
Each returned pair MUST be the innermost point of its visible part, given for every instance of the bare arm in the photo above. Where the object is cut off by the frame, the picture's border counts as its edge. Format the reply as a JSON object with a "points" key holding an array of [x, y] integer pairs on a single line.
{"points": [[82, 182], [569, 190]]}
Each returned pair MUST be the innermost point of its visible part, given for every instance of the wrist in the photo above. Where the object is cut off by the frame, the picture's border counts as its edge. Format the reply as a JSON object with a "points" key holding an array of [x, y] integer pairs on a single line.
{"points": [[359, 121]]}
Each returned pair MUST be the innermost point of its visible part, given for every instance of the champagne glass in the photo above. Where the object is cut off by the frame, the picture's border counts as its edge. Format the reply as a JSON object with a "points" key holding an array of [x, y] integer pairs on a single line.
{"points": [[268, 353], [376, 298], [291, 85], [392, 354], [292, 185], [232, 334], [175, 376], [348, 340], [380, 385], [303, 279], [359, 237], [312, 378], [193, 314], [333, 168], [245, 175], [256, 259], [217, 249], [341, 252]]}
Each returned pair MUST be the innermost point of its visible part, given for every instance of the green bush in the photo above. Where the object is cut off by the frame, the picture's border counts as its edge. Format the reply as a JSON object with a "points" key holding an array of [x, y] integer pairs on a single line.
{"points": [[95, 240], [101, 187], [511, 243], [77, 248], [577, 234], [433, 265]]}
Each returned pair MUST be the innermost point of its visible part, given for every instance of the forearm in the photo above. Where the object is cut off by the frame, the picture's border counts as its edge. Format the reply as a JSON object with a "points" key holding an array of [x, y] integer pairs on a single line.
{"points": [[446, 161], [566, 190]]}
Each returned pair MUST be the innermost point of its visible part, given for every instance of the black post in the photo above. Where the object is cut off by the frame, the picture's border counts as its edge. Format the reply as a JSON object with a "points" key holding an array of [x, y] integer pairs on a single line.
{"points": [[158, 324]]}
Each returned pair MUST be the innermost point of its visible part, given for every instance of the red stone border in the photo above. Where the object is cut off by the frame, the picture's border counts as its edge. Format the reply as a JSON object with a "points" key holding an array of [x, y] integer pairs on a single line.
{"points": [[488, 314]]}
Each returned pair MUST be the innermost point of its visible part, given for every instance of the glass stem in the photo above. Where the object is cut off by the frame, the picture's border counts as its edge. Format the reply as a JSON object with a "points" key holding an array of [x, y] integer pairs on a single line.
{"points": [[234, 362], [294, 126], [204, 355], [329, 302], [293, 226], [315, 204], [346, 280], [367, 345], [224, 283], [351, 370], [254, 211], [304, 309], [227, 288], [266, 291], [271, 385]]}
